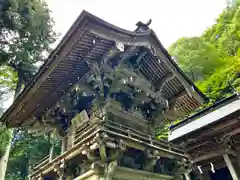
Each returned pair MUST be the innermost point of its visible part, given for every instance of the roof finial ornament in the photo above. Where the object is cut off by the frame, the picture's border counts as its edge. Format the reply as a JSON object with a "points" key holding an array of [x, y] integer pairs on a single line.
{"points": [[149, 22], [143, 26]]}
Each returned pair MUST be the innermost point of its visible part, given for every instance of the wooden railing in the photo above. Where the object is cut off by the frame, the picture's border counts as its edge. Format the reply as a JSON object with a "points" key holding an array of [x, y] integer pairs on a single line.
{"points": [[42, 162], [88, 129], [46, 159], [127, 131]]}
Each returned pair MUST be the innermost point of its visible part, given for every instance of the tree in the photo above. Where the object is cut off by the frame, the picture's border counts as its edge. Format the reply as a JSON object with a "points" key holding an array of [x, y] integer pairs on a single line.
{"points": [[197, 58], [25, 34], [26, 31], [4, 139], [212, 60], [224, 82], [25, 152], [225, 35]]}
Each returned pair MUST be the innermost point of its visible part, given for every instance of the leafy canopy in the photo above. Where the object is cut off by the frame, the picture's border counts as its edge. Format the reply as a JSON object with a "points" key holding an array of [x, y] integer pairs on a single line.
{"points": [[212, 60], [197, 58], [26, 33]]}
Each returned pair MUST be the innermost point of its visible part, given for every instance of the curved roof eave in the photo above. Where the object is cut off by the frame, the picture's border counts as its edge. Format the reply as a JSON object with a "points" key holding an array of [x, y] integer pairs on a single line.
{"points": [[118, 34]]}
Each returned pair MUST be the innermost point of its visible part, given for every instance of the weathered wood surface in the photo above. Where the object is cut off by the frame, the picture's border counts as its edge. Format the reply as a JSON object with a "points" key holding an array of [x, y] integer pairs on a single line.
{"points": [[87, 141], [122, 173]]}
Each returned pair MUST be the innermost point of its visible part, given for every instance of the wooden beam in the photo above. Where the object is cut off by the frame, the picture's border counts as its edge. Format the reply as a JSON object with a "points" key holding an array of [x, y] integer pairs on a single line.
{"points": [[192, 147], [51, 155], [140, 57], [128, 173], [189, 88], [214, 154], [89, 174], [53, 60], [161, 82], [126, 39], [64, 145], [207, 156], [172, 113]]}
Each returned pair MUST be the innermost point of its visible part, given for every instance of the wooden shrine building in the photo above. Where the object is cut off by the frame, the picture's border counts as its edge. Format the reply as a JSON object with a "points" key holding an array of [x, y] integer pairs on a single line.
{"points": [[212, 139], [103, 91]]}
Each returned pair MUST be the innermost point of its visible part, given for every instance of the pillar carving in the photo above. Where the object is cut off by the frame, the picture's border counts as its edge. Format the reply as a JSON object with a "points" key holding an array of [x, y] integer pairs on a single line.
{"points": [[109, 170], [151, 159], [100, 140], [60, 169], [183, 168]]}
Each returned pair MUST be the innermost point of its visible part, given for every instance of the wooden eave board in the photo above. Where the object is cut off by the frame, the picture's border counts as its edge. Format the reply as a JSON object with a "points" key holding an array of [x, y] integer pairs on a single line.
{"points": [[204, 121], [88, 39]]}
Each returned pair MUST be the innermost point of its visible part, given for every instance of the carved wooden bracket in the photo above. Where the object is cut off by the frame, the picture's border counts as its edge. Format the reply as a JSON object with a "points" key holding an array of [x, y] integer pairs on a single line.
{"points": [[184, 167], [151, 159], [37, 177], [59, 168], [109, 170], [97, 167], [100, 140]]}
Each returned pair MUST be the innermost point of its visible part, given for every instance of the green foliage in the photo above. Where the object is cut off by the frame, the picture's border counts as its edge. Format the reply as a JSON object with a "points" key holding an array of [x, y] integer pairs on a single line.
{"points": [[197, 58], [223, 82], [25, 152], [212, 60], [225, 35], [4, 139], [21, 157], [26, 32], [162, 133], [8, 79]]}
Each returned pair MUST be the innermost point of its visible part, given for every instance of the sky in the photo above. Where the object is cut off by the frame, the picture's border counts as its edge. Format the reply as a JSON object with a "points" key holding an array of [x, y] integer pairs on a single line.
{"points": [[171, 19]]}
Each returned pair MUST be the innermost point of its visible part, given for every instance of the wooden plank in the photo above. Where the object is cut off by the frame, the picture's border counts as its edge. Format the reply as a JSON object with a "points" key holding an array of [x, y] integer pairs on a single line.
{"points": [[207, 156], [89, 175], [57, 58], [130, 174]]}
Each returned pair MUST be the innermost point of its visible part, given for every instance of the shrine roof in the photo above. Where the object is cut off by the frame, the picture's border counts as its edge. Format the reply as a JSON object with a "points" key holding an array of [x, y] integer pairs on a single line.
{"points": [[89, 39], [205, 118]]}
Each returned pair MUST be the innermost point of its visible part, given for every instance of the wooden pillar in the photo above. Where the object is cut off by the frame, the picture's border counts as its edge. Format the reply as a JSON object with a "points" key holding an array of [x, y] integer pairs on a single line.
{"points": [[187, 176], [238, 157], [64, 144], [230, 166], [70, 141], [51, 153]]}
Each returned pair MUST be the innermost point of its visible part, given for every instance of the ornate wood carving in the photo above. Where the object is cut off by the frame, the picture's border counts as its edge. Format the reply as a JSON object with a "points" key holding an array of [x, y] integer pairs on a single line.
{"points": [[151, 159], [109, 170]]}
